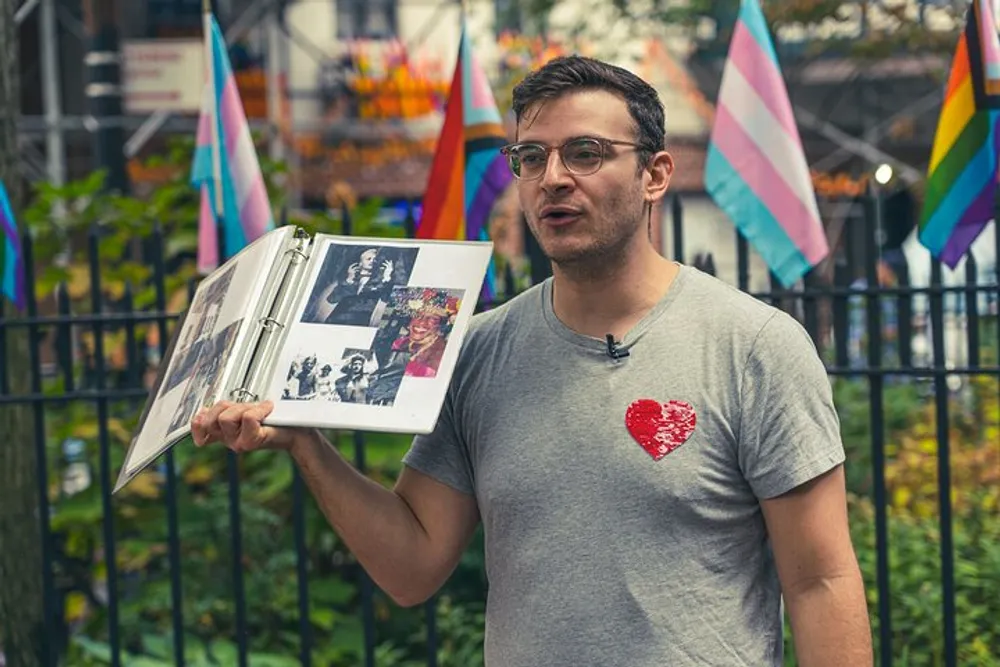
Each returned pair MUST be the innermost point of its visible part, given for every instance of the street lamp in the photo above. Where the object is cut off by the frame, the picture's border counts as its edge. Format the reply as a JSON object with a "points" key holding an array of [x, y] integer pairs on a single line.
{"points": [[883, 174]]}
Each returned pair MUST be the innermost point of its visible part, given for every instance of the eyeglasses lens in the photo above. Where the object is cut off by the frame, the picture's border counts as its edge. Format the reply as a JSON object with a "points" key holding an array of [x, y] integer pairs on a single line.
{"points": [[581, 157]]}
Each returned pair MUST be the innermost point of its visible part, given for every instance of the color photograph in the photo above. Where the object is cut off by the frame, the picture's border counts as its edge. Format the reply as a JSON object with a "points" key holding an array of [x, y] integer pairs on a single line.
{"points": [[415, 327]]}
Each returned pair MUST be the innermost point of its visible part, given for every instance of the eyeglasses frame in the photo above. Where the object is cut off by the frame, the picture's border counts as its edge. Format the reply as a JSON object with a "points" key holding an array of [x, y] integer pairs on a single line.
{"points": [[604, 142]]}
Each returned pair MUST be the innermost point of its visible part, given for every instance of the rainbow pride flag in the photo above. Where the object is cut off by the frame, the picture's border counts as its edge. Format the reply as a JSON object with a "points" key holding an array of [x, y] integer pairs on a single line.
{"points": [[233, 193], [11, 256], [962, 174], [468, 173], [756, 170]]}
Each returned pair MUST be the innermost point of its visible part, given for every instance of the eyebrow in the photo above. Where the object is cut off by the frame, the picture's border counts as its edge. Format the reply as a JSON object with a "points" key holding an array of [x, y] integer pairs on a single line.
{"points": [[564, 141]]}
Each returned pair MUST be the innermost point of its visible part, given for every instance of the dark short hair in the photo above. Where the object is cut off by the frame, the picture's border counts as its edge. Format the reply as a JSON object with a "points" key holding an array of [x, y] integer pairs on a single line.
{"points": [[569, 74]]}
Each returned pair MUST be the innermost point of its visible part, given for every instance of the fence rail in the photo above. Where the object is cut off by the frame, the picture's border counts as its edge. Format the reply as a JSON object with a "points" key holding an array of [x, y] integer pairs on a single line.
{"points": [[865, 330]]}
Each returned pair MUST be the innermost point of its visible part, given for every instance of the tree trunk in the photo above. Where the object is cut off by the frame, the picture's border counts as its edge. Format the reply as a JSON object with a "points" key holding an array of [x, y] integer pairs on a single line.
{"points": [[22, 634]]}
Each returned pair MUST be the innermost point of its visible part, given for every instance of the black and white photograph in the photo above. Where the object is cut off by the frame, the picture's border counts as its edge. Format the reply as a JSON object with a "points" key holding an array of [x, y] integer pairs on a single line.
{"points": [[310, 378], [206, 374], [355, 281], [213, 331], [355, 376], [198, 327]]}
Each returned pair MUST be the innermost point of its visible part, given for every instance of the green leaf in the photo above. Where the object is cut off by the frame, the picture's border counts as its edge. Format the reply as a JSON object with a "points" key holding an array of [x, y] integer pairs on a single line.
{"points": [[323, 618], [331, 592], [272, 660], [83, 508], [223, 652], [94, 649]]}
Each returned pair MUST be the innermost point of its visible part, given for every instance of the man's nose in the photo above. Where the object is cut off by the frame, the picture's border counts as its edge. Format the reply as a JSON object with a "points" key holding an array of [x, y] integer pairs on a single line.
{"points": [[556, 176]]}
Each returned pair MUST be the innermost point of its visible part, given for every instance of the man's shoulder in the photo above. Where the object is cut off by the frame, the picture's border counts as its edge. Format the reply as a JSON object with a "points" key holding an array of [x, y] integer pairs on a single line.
{"points": [[498, 332], [760, 329], [507, 315], [728, 306]]}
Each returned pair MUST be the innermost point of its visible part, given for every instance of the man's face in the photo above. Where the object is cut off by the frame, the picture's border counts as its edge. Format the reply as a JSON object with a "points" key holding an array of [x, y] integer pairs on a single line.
{"points": [[368, 260], [595, 216]]}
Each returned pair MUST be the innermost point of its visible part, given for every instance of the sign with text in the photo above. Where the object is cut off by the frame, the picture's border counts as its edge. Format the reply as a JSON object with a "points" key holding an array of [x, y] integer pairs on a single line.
{"points": [[162, 75]]}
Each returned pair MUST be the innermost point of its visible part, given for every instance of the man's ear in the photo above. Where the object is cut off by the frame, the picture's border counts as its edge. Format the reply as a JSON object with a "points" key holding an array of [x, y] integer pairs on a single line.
{"points": [[657, 176]]}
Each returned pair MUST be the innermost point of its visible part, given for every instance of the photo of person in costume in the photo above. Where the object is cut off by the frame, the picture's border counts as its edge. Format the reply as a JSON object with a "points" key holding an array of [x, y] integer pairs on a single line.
{"points": [[305, 378], [206, 374], [356, 376], [417, 324], [197, 329], [355, 282]]}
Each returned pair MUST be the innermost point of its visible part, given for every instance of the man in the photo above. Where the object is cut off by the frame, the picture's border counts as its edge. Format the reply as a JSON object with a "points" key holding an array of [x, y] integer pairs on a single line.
{"points": [[352, 385], [354, 299], [654, 455]]}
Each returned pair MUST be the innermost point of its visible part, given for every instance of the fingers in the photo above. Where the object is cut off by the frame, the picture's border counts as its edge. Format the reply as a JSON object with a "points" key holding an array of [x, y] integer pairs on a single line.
{"points": [[236, 425], [205, 425], [248, 434]]}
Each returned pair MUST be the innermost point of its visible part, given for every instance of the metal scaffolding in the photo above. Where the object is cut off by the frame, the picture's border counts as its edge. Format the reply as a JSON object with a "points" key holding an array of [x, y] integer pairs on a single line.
{"points": [[46, 159], [53, 123]]}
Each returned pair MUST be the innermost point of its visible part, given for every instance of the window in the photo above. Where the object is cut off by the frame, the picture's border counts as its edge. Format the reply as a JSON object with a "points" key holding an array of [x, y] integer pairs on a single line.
{"points": [[508, 15], [163, 16], [366, 19]]}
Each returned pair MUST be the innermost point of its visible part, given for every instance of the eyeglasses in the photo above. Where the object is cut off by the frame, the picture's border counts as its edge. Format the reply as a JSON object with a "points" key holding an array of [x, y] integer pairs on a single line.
{"points": [[582, 156]]}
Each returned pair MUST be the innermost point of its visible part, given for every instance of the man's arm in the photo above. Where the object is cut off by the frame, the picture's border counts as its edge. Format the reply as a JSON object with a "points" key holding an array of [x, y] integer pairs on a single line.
{"points": [[409, 539], [820, 578]]}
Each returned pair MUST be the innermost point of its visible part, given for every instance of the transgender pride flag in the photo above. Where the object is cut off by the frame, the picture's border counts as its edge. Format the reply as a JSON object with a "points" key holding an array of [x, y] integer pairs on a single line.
{"points": [[756, 170], [233, 195]]}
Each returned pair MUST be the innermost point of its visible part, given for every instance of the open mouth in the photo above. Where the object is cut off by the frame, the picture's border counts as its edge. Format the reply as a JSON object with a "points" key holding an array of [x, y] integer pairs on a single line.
{"points": [[560, 216]]}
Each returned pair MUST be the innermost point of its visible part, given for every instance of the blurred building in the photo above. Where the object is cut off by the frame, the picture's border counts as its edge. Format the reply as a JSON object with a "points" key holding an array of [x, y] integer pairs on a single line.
{"points": [[350, 93]]}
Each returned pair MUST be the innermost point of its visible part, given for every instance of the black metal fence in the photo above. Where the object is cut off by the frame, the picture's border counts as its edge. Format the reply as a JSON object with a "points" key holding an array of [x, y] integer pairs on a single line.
{"points": [[848, 311]]}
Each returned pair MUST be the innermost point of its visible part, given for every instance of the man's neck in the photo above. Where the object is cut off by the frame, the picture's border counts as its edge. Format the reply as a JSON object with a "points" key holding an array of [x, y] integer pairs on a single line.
{"points": [[612, 301]]}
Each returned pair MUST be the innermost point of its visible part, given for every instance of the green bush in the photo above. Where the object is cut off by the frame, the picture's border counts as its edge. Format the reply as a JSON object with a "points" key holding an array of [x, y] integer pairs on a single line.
{"points": [[914, 540], [915, 584]]}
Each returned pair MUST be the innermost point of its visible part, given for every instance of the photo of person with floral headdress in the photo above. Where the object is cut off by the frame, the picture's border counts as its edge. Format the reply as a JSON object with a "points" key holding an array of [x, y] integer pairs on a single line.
{"points": [[416, 325]]}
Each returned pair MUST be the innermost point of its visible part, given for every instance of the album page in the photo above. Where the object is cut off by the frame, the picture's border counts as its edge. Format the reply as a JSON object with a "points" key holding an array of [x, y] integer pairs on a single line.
{"points": [[210, 347], [372, 343]]}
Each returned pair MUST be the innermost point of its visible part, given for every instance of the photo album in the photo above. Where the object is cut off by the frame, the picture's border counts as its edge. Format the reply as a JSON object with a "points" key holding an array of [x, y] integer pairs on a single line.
{"points": [[339, 332]]}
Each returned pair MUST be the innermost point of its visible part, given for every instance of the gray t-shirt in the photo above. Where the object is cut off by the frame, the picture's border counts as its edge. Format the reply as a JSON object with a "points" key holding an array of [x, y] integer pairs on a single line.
{"points": [[600, 551]]}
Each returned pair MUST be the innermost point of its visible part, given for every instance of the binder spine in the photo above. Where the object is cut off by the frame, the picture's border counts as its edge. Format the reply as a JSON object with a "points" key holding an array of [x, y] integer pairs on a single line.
{"points": [[273, 323]]}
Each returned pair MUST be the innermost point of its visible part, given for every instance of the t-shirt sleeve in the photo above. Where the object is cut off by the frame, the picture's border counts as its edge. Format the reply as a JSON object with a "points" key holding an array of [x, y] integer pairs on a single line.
{"points": [[789, 428], [442, 454]]}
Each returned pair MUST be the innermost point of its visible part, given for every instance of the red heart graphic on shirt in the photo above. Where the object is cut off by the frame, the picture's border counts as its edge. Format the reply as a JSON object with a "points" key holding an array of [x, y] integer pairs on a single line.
{"points": [[660, 427]]}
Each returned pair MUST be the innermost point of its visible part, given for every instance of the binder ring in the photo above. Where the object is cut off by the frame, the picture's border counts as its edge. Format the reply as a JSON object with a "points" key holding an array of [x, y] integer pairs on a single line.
{"points": [[269, 322], [241, 393]]}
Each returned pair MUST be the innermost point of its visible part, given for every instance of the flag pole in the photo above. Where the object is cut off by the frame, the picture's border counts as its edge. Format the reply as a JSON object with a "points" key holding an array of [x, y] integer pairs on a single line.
{"points": [[217, 205]]}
